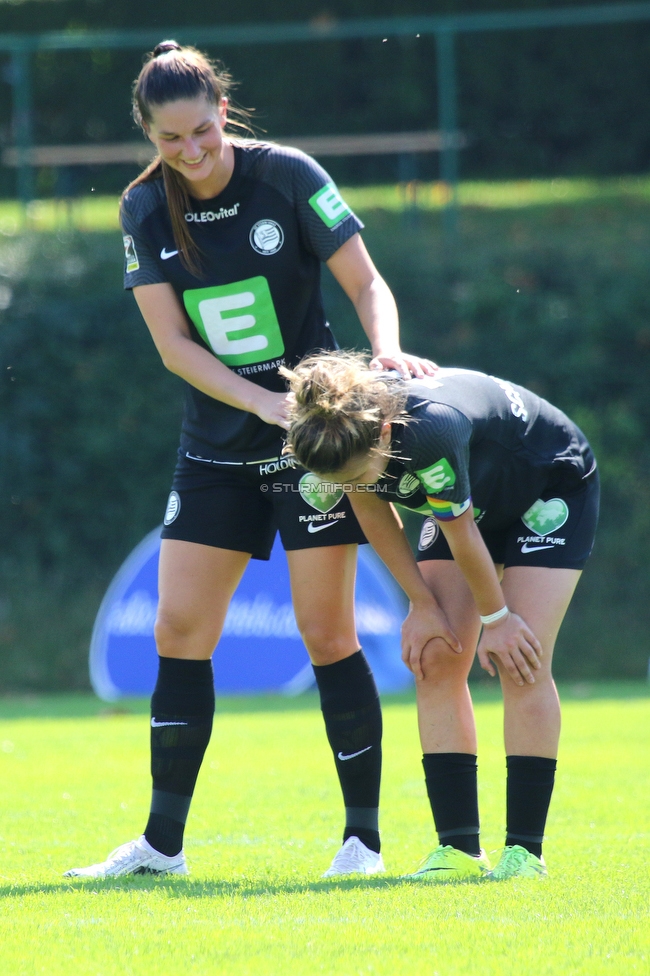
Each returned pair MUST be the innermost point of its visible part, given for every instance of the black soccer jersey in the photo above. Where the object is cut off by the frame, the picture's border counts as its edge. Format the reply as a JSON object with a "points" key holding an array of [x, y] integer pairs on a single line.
{"points": [[259, 306], [475, 440]]}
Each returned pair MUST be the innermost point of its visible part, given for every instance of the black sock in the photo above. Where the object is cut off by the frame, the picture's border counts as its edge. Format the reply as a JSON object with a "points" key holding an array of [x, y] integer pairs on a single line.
{"points": [[451, 779], [182, 707], [352, 714], [529, 790]]}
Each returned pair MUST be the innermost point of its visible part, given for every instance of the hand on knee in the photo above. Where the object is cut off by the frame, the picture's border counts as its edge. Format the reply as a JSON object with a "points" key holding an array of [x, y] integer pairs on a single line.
{"points": [[440, 663]]}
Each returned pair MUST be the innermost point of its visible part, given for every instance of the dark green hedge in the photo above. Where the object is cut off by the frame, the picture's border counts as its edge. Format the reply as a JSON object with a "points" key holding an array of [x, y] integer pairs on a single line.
{"points": [[556, 299], [88, 430]]}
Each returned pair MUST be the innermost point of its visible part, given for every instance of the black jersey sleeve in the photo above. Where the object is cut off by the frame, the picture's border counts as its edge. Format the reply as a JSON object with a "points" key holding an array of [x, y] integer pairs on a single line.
{"points": [[326, 221], [437, 441], [140, 265]]}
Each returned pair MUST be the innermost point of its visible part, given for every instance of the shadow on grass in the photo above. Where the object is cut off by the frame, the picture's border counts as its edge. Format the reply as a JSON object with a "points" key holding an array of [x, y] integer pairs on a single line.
{"points": [[175, 887]]}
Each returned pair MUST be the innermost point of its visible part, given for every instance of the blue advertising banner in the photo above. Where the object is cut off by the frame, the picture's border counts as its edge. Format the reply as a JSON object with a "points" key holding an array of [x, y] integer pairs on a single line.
{"points": [[260, 649]]}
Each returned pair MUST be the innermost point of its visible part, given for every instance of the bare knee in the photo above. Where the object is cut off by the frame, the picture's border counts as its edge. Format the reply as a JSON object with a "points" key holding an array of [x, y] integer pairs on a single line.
{"points": [[325, 644], [180, 635], [441, 664]]}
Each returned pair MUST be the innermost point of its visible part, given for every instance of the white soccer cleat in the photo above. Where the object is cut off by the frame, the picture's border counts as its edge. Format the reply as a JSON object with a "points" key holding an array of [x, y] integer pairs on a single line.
{"points": [[355, 858], [136, 857]]}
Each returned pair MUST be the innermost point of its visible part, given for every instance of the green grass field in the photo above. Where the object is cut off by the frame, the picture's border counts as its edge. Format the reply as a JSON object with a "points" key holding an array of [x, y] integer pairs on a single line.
{"points": [[264, 825], [100, 213]]}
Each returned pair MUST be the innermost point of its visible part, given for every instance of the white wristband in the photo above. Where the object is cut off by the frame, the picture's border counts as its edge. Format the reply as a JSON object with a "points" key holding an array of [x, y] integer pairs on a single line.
{"points": [[493, 617]]}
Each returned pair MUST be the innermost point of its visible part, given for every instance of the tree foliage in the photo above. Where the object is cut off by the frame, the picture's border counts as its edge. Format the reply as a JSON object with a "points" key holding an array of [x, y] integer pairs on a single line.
{"points": [[532, 102]]}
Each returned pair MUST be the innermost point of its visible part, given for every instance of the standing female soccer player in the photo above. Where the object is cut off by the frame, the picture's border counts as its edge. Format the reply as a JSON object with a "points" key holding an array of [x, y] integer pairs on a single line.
{"points": [[513, 486], [224, 242]]}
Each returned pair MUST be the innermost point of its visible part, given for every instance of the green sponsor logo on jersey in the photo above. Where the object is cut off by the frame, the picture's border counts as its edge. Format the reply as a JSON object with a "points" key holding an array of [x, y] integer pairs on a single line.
{"points": [[544, 518], [437, 476], [318, 494], [330, 205], [237, 321]]}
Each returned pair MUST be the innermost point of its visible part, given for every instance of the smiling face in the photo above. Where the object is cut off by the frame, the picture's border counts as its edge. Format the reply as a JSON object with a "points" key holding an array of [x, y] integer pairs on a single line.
{"points": [[188, 134]]}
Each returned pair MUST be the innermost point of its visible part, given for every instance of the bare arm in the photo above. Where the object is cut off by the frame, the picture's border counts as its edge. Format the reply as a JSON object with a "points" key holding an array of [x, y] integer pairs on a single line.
{"points": [[170, 331], [383, 529], [474, 560], [373, 300], [509, 639]]}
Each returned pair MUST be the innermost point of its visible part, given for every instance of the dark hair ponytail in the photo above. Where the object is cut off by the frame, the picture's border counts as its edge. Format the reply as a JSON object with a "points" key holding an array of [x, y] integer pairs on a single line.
{"points": [[172, 72], [164, 47]]}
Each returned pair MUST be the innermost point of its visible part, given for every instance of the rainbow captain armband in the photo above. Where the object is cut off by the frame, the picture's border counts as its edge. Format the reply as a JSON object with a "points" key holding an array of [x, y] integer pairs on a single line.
{"points": [[446, 511]]}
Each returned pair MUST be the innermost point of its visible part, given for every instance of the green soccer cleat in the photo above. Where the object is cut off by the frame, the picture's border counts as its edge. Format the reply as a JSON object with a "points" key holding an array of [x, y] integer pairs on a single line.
{"points": [[517, 862], [448, 864]]}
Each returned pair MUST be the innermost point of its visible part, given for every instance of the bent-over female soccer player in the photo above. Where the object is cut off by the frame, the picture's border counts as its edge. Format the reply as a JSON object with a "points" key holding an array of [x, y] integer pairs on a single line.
{"points": [[224, 241], [510, 487]]}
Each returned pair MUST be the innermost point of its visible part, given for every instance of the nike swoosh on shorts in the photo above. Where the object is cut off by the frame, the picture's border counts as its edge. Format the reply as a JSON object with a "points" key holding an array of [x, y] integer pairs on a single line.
{"points": [[166, 255], [353, 754], [527, 548], [319, 528]]}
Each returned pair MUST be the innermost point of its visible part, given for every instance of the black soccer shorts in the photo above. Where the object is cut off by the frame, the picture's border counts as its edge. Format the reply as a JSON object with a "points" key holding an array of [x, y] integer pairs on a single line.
{"points": [[557, 531], [241, 507]]}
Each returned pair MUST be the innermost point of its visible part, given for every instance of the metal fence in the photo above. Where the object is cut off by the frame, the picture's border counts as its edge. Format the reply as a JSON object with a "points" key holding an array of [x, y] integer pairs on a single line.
{"points": [[445, 29]]}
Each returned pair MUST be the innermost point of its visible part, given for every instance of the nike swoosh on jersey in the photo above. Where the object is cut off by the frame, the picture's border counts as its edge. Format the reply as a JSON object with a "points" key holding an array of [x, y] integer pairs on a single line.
{"points": [[319, 528], [166, 255], [157, 725], [353, 754], [527, 548]]}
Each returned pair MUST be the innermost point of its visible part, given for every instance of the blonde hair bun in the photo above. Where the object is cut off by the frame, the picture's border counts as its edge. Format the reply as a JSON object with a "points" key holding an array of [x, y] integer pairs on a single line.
{"points": [[340, 407]]}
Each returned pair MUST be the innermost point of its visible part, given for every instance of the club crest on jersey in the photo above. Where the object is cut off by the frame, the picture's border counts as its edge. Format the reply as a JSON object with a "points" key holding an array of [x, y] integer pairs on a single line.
{"points": [[408, 484], [266, 237], [429, 534], [173, 508]]}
